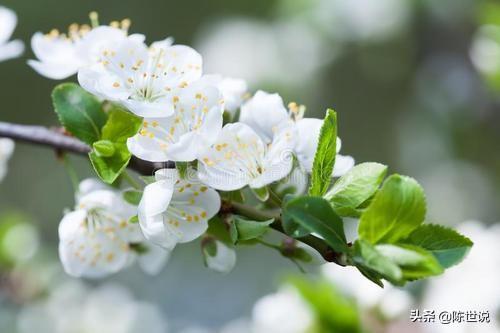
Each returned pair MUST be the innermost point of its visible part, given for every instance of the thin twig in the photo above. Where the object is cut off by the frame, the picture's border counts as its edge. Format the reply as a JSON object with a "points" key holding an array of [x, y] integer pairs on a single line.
{"points": [[58, 140]]}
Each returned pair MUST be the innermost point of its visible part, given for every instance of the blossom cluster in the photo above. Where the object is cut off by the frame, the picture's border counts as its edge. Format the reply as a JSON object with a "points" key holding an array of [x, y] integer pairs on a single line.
{"points": [[183, 112]]}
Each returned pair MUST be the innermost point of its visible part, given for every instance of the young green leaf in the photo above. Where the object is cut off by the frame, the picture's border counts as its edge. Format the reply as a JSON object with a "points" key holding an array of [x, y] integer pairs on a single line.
{"points": [[447, 245], [324, 159], [367, 258], [396, 210], [133, 197], [109, 168], [315, 215], [414, 261], [104, 148], [79, 112], [242, 229], [120, 126], [355, 187]]}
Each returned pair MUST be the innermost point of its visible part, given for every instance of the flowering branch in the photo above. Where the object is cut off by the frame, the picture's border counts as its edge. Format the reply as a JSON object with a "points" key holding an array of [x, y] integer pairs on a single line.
{"points": [[59, 140]]}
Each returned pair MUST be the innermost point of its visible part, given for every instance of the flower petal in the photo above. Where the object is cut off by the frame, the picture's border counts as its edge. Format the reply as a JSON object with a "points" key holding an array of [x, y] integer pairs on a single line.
{"points": [[154, 259], [224, 260], [192, 205], [8, 22], [264, 112], [234, 160], [11, 50], [89, 251]]}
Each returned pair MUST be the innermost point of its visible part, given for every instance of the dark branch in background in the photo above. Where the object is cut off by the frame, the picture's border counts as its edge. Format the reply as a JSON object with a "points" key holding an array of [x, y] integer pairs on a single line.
{"points": [[61, 142]]}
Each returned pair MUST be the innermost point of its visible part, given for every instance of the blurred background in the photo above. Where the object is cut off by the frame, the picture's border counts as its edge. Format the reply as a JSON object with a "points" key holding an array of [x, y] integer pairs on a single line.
{"points": [[416, 84]]}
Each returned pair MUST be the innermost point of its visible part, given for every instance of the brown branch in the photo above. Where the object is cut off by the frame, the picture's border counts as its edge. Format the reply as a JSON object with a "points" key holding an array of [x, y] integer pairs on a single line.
{"points": [[58, 140]]}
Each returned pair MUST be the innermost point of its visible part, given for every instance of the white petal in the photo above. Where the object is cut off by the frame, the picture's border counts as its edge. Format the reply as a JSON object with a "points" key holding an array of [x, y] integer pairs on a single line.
{"points": [[86, 251], [155, 200], [89, 185], [224, 260], [8, 22], [342, 165], [153, 261], [6, 150], [150, 109], [11, 50], [187, 62], [53, 71], [191, 207], [94, 42], [307, 141], [233, 161], [278, 162], [162, 44], [234, 91], [264, 112], [196, 123]]}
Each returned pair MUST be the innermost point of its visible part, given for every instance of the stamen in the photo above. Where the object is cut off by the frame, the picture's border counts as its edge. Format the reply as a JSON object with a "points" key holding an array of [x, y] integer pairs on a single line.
{"points": [[94, 19]]}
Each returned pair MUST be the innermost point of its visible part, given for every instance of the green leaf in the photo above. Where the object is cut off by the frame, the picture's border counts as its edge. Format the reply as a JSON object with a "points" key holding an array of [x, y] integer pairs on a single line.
{"points": [[316, 215], [242, 229], [396, 210], [447, 245], [261, 193], [104, 148], [120, 126], [236, 196], [324, 159], [133, 197], [109, 168], [79, 112], [367, 258], [219, 230], [134, 219], [355, 187], [414, 261]]}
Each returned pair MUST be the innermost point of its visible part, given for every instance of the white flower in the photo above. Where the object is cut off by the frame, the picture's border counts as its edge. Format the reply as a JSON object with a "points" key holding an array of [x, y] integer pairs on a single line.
{"points": [[6, 150], [308, 130], [61, 55], [96, 238], [224, 259], [147, 81], [240, 157], [73, 307], [12, 49], [173, 210], [282, 312], [233, 90], [197, 122], [485, 50], [266, 114]]}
